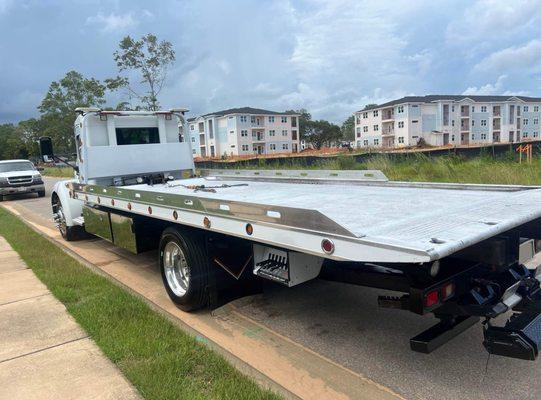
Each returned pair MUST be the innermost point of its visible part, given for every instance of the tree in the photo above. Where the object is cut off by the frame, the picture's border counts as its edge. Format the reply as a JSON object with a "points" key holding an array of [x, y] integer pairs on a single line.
{"points": [[322, 132], [151, 59], [63, 97], [369, 106], [348, 129]]}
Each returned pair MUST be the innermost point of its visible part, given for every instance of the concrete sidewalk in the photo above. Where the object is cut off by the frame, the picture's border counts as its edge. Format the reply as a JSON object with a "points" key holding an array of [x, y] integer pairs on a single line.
{"points": [[44, 354]]}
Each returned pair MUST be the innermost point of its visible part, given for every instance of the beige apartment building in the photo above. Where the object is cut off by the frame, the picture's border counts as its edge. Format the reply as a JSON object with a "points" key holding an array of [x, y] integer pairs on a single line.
{"points": [[244, 131], [449, 120]]}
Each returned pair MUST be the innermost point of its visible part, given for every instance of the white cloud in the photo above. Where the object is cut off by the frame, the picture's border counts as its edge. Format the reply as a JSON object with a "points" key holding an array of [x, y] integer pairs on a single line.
{"points": [[112, 22], [493, 20], [488, 89], [522, 57]]}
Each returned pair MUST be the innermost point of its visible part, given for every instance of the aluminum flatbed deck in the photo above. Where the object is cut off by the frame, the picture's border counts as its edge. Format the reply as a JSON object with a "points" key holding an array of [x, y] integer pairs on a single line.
{"points": [[370, 220]]}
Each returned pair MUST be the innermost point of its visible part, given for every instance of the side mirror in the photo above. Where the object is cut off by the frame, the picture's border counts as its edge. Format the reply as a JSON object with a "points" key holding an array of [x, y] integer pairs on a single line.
{"points": [[46, 148]]}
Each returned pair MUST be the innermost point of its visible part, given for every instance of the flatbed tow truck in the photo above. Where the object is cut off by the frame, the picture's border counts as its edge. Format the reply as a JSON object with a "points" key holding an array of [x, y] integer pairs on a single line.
{"points": [[454, 250]]}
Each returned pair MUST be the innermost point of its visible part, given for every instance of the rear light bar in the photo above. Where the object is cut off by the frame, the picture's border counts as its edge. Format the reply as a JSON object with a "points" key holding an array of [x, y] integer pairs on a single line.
{"points": [[438, 295]]}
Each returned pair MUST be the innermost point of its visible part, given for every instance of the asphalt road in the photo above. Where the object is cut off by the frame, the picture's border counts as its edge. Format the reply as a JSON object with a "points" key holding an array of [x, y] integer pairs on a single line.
{"points": [[343, 323]]}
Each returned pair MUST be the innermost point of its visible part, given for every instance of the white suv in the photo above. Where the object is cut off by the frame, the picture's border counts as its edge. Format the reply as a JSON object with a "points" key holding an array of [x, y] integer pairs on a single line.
{"points": [[18, 177]]}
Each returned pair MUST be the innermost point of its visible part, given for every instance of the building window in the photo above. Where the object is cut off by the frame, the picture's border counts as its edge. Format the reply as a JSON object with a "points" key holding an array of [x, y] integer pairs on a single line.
{"points": [[400, 109], [375, 113], [365, 128], [453, 123], [483, 136], [365, 115], [252, 120], [376, 141], [272, 132], [483, 109], [232, 132], [525, 108], [452, 138], [452, 108], [401, 139], [365, 142], [245, 147], [536, 121], [284, 132], [473, 122], [524, 134], [414, 121], [284, 119], [473, 136], [400, 124], [285, 146], [272, 146], [376, 127], [536, 108], [193, 139], [243, 118], [536, 134], [271, 119], [525, 121], [483, 122], [192, 127], [244, 133], [472, 109]]}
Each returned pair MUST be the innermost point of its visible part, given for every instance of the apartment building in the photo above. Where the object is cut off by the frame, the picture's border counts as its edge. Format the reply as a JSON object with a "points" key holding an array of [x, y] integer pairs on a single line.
{"points": [[449, 120], [243, 131]]}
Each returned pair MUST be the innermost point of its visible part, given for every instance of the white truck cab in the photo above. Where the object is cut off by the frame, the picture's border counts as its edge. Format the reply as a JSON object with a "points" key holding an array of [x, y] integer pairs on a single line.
{"points": [[19, 177]]}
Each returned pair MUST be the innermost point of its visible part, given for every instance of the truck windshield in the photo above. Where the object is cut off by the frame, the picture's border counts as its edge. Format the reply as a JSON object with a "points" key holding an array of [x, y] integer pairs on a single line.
{"points": [[16, 166], [137, 136]]}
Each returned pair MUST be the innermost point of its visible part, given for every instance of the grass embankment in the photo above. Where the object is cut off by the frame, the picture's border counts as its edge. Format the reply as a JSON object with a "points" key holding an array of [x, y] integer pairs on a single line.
{"points": [[58, 172], [418, 167], [161, 361]]}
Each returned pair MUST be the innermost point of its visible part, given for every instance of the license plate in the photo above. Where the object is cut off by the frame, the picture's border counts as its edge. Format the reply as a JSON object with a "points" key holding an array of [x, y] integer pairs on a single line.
{"points": [[21, 189]]}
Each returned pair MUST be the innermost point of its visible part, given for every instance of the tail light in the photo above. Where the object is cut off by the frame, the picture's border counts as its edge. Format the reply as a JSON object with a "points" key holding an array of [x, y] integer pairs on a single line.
{"points": [[432, 298], [447, 291]]}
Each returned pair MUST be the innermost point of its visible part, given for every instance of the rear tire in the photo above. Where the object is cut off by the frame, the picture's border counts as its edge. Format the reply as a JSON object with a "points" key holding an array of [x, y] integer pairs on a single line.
{"points": [[69, 233], [185, 268]]}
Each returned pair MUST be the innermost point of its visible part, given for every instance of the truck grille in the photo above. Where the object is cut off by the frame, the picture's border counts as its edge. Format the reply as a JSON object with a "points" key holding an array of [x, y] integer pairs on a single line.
{"points": [[20, 180]]}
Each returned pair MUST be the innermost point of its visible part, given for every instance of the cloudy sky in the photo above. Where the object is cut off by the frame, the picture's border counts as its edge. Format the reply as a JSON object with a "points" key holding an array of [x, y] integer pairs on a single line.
{"points": [[331, 57]]}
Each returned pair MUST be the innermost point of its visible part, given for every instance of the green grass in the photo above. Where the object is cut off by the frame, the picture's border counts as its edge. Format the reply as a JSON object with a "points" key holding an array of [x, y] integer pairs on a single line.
{"points": [[58, 172], [419, 167], [162, 361]]}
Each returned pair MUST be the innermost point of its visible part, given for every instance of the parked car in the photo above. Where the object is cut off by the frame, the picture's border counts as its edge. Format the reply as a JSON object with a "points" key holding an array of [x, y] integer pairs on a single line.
{"points": [[18, 177]]}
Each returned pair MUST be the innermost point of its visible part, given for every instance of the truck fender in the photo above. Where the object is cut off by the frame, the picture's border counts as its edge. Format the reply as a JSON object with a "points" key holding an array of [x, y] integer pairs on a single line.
{"points": [[72, 208]]}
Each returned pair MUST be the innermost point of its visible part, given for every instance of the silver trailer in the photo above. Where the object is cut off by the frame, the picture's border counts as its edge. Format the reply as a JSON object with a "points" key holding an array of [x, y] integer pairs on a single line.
{"points": [[454, 250]]}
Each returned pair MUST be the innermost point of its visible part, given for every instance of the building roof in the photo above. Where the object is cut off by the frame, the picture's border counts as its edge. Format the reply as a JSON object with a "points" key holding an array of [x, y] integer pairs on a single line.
{"points": [[248, 110], [440, 97]]}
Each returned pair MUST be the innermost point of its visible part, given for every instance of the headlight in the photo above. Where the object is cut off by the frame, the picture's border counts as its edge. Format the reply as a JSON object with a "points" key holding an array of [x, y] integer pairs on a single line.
{"points": [[37, 179]]}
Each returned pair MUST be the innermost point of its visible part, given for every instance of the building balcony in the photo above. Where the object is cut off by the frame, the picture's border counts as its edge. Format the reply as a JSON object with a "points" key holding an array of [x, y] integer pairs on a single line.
{"points": [[258, 138]]}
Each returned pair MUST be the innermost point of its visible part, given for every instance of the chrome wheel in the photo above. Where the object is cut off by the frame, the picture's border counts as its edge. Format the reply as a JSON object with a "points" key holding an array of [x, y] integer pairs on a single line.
{"points": [[60, 220], [176, 269]]}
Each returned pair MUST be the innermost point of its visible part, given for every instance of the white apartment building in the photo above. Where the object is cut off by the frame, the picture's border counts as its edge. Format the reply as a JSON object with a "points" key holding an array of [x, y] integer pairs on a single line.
{"points": [[243, 131], [449, 120]]}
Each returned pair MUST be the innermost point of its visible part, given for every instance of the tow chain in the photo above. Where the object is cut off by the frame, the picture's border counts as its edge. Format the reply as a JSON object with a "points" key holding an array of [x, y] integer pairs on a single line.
{"points": [[208, 189]]}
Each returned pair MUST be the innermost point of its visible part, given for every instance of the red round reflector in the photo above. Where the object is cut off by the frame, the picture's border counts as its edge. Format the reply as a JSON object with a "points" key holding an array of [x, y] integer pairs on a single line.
{"points": [[327, 246], [249, 229]]}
